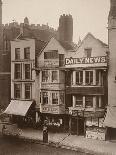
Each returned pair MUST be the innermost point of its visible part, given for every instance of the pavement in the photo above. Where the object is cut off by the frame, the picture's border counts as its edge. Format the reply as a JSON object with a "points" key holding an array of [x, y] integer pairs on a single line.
{"points": [[73, 142]]}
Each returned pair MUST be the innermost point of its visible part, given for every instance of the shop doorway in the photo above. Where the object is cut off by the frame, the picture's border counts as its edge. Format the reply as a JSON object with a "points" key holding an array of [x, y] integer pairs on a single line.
{"points": [[73, 126], [81, 126]]}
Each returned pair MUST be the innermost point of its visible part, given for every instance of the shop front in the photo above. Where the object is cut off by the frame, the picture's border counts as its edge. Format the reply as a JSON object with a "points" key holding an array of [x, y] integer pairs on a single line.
{"points": [[22, 113], [88, 124]]}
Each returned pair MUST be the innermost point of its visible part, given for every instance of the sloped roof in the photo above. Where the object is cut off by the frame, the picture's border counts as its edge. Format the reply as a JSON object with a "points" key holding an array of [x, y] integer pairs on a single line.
{"points": [[66, 45], [89, 34]]}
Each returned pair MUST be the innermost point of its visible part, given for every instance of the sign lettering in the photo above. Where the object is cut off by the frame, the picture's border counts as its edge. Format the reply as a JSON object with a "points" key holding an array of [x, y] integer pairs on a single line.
{"points": [[91, 60]]}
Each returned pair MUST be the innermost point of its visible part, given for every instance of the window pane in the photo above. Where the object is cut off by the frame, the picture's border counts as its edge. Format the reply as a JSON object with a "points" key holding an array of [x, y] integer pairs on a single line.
{"points": [[54, 98], [27, 71], [79, 77], [89, 101], [88, 52], [27, 53], [54, 76], [87, 77], [97, 77], [51, 55], [79, 100], [45, 76], [17, 91], [27, 91], [45, 97], [17, 53], [17, 71]]}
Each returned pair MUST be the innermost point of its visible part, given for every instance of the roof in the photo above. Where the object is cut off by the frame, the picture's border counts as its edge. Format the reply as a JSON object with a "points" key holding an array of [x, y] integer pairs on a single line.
{"points": [[89, 34], [66, 45]]}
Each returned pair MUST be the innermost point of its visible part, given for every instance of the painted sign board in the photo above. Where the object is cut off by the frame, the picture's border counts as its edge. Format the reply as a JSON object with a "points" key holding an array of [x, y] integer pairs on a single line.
{"points": [[86, 61]]}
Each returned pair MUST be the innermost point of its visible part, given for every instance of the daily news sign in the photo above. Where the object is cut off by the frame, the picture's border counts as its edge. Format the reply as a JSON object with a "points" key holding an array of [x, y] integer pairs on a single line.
{"points": [[97, 61]]}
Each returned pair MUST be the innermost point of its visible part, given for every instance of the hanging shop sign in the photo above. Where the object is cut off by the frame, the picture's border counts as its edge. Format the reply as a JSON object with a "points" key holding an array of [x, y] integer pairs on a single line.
{"points": [[85, 60]]}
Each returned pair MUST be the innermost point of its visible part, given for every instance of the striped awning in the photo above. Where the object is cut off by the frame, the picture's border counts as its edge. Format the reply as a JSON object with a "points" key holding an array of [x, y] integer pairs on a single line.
{"points": [[17, 107]]}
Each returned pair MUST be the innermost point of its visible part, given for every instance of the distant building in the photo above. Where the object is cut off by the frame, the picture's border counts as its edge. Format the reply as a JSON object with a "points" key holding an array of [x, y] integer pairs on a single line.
{"points": [[110, 120]]}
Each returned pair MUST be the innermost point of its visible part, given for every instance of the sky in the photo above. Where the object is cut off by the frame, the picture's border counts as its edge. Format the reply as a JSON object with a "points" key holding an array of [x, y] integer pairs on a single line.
{"points": [[88, 15]]}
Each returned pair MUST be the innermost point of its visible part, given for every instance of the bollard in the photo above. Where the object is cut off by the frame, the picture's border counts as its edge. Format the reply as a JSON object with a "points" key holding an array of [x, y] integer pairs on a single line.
{"points": [[45, 134]]}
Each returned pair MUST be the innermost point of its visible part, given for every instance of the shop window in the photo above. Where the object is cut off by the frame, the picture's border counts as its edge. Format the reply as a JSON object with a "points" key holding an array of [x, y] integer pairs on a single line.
{"points": [[97, 77], [79, 77], [27, 91], [17, 71], [45, 97], [88, 101], [54, 76], [17, 53], [88, 52], [27, 53], [27, 71], [53, 54], [79, 100], [54, 98], [89, 77], [17, 91], [45, 76]]}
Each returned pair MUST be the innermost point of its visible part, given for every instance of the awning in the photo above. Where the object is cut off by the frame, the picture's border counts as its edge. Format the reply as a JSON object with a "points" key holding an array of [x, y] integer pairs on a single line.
{"points": [[18, 107], [110, 119]]}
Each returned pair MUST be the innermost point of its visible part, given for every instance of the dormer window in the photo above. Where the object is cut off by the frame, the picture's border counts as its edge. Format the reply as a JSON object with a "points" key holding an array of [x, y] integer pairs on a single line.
{"points": [[88, 52]]}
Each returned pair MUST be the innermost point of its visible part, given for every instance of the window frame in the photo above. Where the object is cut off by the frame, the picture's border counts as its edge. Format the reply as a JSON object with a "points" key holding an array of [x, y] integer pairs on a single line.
{"points": [[28, 91], [45, 97], [90, 82], [77, 98], [17, 53], [17, 71], [27, 71], [55, 98], [15, 90], [89, 99], [54, 80], [45, 76], [27, 53], [80, 79]]}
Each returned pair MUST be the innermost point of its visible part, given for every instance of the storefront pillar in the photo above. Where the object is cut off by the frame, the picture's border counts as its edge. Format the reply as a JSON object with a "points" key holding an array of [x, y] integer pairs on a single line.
{"points": [[74, 101], [70, 124], [94, 77], [83, 77], [77, 124], [100, 102], [74, 77], [94, 102], [84, 101]]}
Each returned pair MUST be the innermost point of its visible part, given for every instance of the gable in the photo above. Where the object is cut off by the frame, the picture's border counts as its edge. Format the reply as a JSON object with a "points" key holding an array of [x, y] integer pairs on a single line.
{"points": [[92, 48], [51, 52]]}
